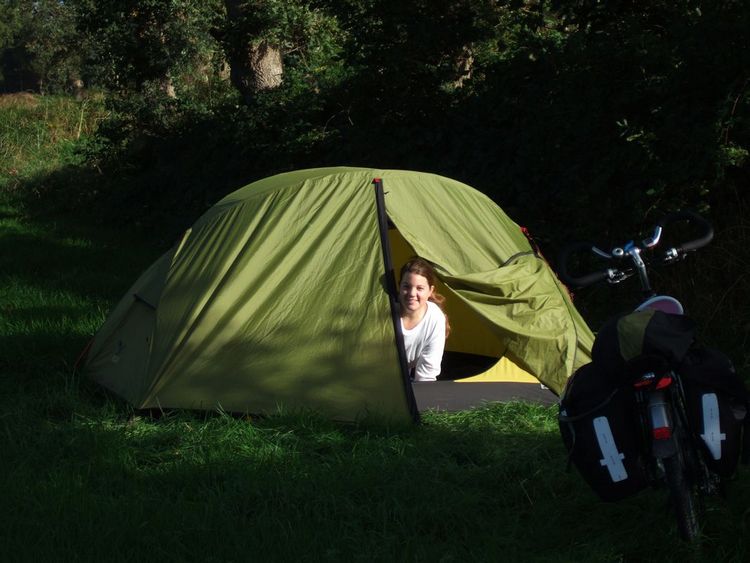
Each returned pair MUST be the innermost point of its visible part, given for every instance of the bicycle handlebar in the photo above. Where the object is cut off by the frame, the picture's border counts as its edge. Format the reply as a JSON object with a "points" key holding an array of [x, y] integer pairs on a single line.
{"points": [[690, 216], [579, 281], [632, 251]]}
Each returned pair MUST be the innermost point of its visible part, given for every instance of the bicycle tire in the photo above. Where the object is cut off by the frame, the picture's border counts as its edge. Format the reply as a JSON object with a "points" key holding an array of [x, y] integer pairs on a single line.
{"points": [[682, 493]]}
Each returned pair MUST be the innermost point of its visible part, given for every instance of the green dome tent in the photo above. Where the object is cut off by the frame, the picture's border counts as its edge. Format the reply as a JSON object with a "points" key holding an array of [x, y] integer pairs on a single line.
{"points": [[282, 295]]}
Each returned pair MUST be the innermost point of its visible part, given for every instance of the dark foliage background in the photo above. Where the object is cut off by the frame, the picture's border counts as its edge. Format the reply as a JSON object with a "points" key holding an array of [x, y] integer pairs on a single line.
{"points": [[583, 119]]}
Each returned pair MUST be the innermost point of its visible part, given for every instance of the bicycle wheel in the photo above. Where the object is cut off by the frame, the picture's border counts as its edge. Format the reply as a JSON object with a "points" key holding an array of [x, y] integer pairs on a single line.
{"points": [[682, 492]]}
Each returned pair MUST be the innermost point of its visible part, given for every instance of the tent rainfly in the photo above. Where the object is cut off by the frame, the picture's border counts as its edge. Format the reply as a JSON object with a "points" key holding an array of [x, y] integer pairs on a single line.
{"points": [[283, 296]]}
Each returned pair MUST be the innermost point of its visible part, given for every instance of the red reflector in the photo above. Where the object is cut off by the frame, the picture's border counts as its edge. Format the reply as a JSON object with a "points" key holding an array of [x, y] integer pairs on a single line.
{"points": [[664, 433], [665, 381]]}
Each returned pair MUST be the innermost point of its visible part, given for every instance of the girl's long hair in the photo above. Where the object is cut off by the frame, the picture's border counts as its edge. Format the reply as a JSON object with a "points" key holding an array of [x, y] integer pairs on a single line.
{"points": [[421, 267]]}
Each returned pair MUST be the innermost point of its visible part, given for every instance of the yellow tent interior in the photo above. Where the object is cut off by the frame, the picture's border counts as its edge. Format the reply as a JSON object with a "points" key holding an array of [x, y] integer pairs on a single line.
{"points": [[468, 335]]}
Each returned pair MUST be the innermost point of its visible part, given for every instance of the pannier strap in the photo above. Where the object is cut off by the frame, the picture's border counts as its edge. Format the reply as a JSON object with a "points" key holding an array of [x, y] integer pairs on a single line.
{"points": [[577, 417]]}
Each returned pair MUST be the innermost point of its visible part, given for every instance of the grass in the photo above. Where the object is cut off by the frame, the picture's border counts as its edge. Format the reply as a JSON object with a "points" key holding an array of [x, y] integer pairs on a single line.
{"points": [[85, 478], [38, 133]]}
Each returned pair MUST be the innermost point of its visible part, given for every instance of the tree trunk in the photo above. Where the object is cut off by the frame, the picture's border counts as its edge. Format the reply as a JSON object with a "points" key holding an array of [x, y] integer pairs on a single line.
{"points": [[464, 67], [267, 66], [254, 65], [167, 87], [77, 86], [255, 68]]}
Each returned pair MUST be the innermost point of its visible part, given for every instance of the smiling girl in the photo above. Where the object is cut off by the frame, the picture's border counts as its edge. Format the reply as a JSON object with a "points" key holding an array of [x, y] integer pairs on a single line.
{"points": [[423, 323]]}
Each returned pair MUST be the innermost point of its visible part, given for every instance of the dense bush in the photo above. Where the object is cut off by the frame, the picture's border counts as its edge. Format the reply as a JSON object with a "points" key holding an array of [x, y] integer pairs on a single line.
{"points": [[581, 119]]}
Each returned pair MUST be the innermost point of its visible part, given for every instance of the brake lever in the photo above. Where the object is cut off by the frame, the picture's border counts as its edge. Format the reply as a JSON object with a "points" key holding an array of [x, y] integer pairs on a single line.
{"points": [[600, 252], [655, 238], [616, 276], [672, 255]]}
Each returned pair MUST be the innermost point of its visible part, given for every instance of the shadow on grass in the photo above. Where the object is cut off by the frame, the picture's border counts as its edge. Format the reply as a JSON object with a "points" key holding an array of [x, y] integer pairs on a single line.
{"points": [[61, 254], [486, 485], [85, 478]]}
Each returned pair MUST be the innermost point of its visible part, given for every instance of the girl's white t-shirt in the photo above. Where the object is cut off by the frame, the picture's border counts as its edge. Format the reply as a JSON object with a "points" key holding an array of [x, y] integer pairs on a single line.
{"points": [[425, 343]]}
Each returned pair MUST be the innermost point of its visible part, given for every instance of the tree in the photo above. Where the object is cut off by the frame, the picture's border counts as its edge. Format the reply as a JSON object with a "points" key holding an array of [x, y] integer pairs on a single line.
{"points": [[11, 26], [141, 43], [10, 22], [252, 46], [40, 45], [267, 40], [54, 45]]}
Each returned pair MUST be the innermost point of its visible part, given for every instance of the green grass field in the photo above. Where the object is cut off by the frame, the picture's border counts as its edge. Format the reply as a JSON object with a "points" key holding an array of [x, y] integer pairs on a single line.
{"points": [[85, 478]]}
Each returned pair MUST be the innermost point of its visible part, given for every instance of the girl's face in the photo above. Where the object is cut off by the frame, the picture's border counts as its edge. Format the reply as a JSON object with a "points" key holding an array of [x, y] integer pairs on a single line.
{"points": [[414, 292]]}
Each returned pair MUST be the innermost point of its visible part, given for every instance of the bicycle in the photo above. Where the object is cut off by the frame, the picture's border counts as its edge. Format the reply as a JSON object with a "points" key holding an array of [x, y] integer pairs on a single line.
{"points": [[639, 425]]}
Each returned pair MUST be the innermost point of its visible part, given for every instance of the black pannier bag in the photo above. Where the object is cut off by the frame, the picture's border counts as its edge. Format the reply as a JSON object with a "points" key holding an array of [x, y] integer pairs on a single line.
{"points": [[717, 403], [599, 420], [598, 424], [626, 340]]}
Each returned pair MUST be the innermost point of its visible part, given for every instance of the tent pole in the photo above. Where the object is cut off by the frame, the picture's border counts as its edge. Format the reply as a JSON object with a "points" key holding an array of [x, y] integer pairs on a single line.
{"points": [[390, 284]]}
